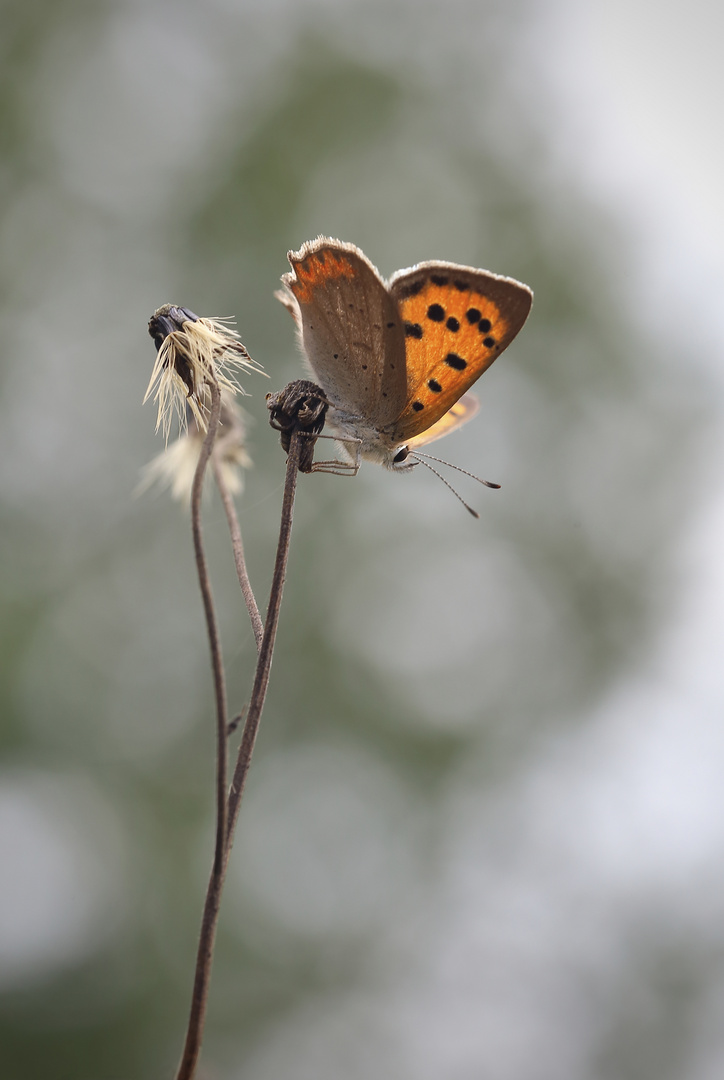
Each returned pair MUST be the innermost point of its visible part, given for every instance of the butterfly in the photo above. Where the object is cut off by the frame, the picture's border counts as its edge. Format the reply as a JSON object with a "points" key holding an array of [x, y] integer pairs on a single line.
{"points": [[396, 358]]}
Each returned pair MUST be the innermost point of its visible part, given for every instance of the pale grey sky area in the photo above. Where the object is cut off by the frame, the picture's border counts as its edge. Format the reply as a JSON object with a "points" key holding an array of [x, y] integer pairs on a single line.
{"points": [[645, 129], [662, 65]]}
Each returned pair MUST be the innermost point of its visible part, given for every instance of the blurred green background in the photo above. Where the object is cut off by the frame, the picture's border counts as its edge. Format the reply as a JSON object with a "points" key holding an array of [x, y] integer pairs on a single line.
{"points": [[482, 835]]}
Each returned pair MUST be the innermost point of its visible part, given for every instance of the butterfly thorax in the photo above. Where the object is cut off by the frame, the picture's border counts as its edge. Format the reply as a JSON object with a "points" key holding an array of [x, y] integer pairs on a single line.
{"points": [[378, 446]]}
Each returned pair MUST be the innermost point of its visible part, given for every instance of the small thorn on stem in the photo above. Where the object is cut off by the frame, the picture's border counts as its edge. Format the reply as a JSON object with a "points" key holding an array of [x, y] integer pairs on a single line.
{"points": [[236, 720]]}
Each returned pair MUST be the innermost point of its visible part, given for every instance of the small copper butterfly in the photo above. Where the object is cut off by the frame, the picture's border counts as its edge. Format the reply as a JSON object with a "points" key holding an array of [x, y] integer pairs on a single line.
{"points": [[396, 358]]}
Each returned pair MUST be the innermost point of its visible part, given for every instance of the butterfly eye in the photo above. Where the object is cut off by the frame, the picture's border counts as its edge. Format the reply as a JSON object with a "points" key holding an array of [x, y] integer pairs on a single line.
{"points": [[401, 454]]}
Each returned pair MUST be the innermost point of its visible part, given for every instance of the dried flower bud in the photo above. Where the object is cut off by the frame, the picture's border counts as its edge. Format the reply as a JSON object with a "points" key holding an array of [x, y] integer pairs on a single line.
{"points": [[301, 406]]}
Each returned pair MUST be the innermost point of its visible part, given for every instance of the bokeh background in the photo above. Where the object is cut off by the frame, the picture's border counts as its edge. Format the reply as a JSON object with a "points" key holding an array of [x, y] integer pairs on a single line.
{"points": [[484, 830]]}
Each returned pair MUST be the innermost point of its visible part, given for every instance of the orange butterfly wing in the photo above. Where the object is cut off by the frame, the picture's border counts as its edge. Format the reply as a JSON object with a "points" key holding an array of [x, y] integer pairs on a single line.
{"points": [[459, 414], [457, 322]]}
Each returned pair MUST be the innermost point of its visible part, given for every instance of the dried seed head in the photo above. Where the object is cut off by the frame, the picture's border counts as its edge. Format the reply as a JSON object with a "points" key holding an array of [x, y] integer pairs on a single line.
{"points": [[175, 466], [192, 353]]}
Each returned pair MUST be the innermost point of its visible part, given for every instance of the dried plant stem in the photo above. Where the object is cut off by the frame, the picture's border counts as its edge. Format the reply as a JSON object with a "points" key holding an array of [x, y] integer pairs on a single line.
{"points": [[226, 821], [238, 548], [263, 667], [205, 951]]}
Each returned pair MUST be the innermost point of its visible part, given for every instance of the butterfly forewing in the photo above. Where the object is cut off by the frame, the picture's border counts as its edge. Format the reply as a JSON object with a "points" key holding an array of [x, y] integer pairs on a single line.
{"points": [[351, 329], [457, 321]]}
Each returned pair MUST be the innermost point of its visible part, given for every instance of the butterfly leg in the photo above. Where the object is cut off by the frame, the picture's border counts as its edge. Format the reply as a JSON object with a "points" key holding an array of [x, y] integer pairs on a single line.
{"points": [[339, 468]]}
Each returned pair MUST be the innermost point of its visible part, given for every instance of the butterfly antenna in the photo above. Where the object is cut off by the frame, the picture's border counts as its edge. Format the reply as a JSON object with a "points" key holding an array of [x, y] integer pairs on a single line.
{"points": [[441, 461], [441, 477]]}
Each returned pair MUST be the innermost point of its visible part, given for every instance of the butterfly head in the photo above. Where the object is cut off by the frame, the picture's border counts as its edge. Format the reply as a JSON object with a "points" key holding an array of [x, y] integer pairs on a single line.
{"points": [[400, 460]]}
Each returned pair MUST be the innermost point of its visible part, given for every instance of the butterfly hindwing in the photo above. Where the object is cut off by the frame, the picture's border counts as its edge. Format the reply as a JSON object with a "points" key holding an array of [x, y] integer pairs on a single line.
{"points": [[457, 321], [457, 415]]}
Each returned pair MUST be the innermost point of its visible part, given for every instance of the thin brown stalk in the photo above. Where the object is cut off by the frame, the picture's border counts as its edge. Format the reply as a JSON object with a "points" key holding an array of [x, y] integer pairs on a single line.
{"points": [[204, 956], [194, 1034], [263, 667], [238, 549]]}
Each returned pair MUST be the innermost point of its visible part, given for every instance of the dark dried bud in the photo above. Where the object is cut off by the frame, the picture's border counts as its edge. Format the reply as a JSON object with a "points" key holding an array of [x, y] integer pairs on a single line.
{"points": [[167, 320], [302, 407]]}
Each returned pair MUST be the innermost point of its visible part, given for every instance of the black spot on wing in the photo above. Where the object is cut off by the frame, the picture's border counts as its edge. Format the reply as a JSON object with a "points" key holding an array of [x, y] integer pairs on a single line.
{"points": [[454, 361]]}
